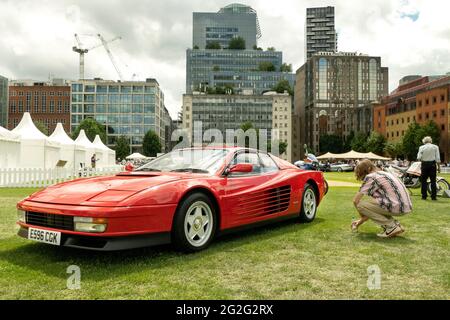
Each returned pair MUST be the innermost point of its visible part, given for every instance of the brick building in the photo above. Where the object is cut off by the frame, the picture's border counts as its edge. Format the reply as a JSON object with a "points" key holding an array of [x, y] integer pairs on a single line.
{"points": [[421, 100], [48, 103]]}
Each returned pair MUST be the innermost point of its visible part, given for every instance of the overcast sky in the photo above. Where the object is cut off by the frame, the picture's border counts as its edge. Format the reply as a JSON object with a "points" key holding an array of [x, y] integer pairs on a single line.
{"points": [[36, 36]]}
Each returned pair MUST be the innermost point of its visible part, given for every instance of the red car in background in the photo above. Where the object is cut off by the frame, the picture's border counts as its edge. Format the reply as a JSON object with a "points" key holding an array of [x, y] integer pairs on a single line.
{"points": [[187, 197]]}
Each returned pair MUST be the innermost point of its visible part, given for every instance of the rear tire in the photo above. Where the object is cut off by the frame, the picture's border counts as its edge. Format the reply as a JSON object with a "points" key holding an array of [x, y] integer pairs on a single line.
{"points": [[309, 204], [194, 223]]}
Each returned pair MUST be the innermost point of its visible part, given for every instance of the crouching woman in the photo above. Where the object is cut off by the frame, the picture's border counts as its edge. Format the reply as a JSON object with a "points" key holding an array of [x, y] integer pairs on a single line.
{"points": [[381, 197]]}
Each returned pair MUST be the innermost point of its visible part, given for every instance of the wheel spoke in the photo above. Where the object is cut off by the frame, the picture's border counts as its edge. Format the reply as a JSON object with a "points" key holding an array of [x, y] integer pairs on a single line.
{"points": [[201, 232], [205, 220], [192, 233], [198, 212], [191, 219]]}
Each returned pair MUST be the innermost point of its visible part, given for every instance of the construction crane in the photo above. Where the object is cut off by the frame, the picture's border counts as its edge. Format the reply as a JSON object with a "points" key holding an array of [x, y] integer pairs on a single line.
{"points": [[111, 57], [82, 51]]}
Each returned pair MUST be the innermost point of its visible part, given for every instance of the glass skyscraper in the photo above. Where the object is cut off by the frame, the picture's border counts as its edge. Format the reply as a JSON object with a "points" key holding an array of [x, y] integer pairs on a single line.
{"points": [[3, 102], [238, 68], [129, 108], [232, 21]]}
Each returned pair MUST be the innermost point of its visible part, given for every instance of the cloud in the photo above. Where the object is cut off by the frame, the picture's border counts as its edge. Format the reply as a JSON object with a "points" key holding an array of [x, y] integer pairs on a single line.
{"points": [[36, 36]]}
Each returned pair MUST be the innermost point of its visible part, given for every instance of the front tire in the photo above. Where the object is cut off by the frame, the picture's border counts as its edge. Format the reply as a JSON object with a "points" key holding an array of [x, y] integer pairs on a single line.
{"points": [[194, 223], [309, 204], [441, 186]]}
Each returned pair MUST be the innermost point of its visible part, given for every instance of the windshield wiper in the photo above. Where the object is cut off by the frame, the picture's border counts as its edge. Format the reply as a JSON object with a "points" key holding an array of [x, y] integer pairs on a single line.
{"points": [[148, 170], [193, 170]]}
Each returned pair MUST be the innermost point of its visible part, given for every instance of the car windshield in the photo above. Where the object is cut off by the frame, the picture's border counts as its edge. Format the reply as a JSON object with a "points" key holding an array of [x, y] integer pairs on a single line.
{"points": [[188, 160]]}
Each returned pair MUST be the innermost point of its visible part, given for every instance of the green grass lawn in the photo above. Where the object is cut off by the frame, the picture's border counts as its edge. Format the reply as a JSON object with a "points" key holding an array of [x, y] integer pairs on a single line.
{"points": [[321, 260]]}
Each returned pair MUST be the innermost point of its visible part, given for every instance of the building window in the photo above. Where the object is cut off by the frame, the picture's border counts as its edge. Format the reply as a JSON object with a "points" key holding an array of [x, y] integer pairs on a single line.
{"points": [[420, 103], [434, 100], [427, 101], [442, 98], [443, 127]]}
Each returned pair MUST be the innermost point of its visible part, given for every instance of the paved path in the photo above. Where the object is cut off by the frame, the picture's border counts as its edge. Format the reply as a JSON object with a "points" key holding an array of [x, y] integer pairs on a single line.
{"points": [[333, 183]]}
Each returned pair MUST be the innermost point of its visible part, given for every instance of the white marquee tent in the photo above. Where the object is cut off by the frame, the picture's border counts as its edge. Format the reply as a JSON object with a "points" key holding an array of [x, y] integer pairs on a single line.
{"points": [[136, 156], [352, 155], [9, 149], [102, 153], [36, 150], [67, 151], [84, 149]]}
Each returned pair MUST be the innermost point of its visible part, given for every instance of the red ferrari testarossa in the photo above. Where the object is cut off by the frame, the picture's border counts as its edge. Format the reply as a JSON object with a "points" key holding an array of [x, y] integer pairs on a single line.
{"points": [[186, 197]]}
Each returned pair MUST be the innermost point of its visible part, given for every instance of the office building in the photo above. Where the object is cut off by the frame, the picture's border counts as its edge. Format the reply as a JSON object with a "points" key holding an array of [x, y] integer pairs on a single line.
{"points": [[333, 95], [320, 32], [130, 108], [271, 112], [420, 100], [47, 102], [232, 21], [3, 102], [242, 70]]}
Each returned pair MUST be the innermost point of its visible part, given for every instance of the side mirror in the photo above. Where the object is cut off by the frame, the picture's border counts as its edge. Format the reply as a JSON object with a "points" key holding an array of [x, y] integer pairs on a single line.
{"points": [[241, 168]]}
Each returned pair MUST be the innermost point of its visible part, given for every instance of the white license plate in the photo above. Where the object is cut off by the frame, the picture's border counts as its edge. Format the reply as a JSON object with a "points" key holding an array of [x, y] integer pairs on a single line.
{"points": [[45, 236]]}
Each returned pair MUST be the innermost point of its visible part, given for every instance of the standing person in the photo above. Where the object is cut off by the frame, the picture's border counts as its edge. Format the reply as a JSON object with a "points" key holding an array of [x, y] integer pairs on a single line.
{"points": [[430, 158], [387, 198], [93, 161]]}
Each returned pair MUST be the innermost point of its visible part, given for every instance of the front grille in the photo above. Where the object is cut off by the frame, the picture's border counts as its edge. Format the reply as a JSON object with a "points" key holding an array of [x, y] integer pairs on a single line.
{"points": [[48, 220]]}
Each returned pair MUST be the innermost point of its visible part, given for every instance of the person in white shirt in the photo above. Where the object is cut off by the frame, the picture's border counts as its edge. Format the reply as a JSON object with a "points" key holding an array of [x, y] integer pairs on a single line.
{"points": [[430, 157]]}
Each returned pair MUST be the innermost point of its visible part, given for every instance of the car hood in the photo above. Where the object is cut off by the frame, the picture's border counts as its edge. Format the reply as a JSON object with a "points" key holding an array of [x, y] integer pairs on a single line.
{"points": [[101, 189]]}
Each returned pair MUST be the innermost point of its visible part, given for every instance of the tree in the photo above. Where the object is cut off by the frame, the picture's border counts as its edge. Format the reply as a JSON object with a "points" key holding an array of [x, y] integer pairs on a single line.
{"points": [[271, 49], [122, 147], [255, 47], [92, 128], [286, 67], [376, 143], [266, 66], [214, 45], [237, 43], [411, 141], [216, 68], [331, 143], [42, 127], [348, 141], [432, 130], [359, 142], [151, 145], [247, 126], [282, 147], [282, 86], [394, 150], [196, 47]]}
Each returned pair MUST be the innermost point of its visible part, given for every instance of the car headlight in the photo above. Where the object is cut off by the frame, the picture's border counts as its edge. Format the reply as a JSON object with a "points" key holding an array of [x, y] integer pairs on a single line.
{"points": [[21, 216], [93, 225]]}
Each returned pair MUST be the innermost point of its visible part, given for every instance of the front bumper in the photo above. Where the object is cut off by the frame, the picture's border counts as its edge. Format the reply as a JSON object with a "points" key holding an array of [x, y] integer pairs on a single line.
{"points": [[108, 243]]}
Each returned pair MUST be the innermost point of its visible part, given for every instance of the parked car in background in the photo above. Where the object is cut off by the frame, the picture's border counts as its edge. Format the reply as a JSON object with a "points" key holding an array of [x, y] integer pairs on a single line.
{"points": [[341, 167]]}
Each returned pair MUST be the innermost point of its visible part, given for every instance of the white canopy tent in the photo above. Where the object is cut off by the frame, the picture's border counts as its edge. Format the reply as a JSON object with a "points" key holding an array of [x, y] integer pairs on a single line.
{"points": [[101, 152], [352, 155], [67, 150], [84, 149], [9, 149], [136, 156], [36, 151]]}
